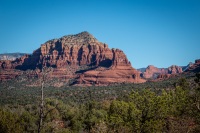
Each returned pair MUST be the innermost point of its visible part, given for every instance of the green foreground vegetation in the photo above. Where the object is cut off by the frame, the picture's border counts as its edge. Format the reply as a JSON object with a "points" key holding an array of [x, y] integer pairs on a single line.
{"points": [[170, 106]]}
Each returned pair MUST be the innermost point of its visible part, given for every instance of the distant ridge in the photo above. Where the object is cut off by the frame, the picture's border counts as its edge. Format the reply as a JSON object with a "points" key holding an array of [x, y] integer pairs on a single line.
{"points": [[152, 72], [11, 56]]}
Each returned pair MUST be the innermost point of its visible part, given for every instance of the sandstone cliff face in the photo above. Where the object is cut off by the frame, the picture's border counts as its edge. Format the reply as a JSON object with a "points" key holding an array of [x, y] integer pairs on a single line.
{"points": [[174, 69], [194, 67], [73, 50], [153, 72], [7, 64], [119, 72], [68, 54]]}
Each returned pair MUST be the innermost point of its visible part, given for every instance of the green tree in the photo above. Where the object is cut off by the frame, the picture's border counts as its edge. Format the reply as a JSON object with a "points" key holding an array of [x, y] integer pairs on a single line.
{"points": [[182, 82], [181, 110], [120, 114], [28, 122], [152, 111], [197, 91], [9, 122], [94, 115], [196, 102]]}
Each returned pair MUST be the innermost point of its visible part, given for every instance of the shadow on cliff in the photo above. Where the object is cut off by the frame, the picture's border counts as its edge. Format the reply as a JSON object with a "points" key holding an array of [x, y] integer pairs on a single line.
{"points": [[105, 63], [29, 62], [85, 70]]}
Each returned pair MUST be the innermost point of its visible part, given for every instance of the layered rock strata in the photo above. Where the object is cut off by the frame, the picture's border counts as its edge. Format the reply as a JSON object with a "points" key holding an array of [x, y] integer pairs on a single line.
{"points": [[68, 54]]}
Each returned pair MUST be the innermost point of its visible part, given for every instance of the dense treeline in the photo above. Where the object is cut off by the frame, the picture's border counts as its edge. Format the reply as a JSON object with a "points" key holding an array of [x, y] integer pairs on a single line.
{"points": [[175, 110], [21, 92]]}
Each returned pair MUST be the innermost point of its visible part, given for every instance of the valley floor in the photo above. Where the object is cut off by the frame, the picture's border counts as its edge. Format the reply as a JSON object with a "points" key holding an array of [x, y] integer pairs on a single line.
{"points": [[169, 106]]}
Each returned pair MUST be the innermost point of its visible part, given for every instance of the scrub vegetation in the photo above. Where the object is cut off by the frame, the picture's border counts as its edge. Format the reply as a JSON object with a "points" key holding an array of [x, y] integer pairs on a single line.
{"points": [[170, 106]]}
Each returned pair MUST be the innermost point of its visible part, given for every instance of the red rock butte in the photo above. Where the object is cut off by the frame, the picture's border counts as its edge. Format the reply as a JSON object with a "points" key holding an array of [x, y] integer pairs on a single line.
{"points": [[80, 57]]}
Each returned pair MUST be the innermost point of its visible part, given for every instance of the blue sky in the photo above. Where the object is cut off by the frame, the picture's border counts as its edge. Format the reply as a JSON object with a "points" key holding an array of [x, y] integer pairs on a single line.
{"points": [[150, 32]]}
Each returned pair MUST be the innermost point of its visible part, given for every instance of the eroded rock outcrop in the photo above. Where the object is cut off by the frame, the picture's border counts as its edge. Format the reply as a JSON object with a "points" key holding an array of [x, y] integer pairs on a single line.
{"points": [[171, 72], [73, 50], [153, 72], [69, 54], [174, 69], [119, 72], [194, 67], [7, 64]]}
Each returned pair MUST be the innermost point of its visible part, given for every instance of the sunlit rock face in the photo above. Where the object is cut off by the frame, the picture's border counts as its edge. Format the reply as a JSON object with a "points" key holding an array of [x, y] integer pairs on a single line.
{"points": [[81, 57], [152, 72]]}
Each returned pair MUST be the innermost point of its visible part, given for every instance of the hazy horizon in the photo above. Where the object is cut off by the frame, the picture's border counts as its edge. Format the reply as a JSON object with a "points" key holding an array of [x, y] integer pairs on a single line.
{"points": [[158, 32]]}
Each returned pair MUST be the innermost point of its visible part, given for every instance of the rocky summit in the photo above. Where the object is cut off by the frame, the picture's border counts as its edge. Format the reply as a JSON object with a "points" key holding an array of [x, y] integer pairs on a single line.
{"points": [[80, 57]]}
